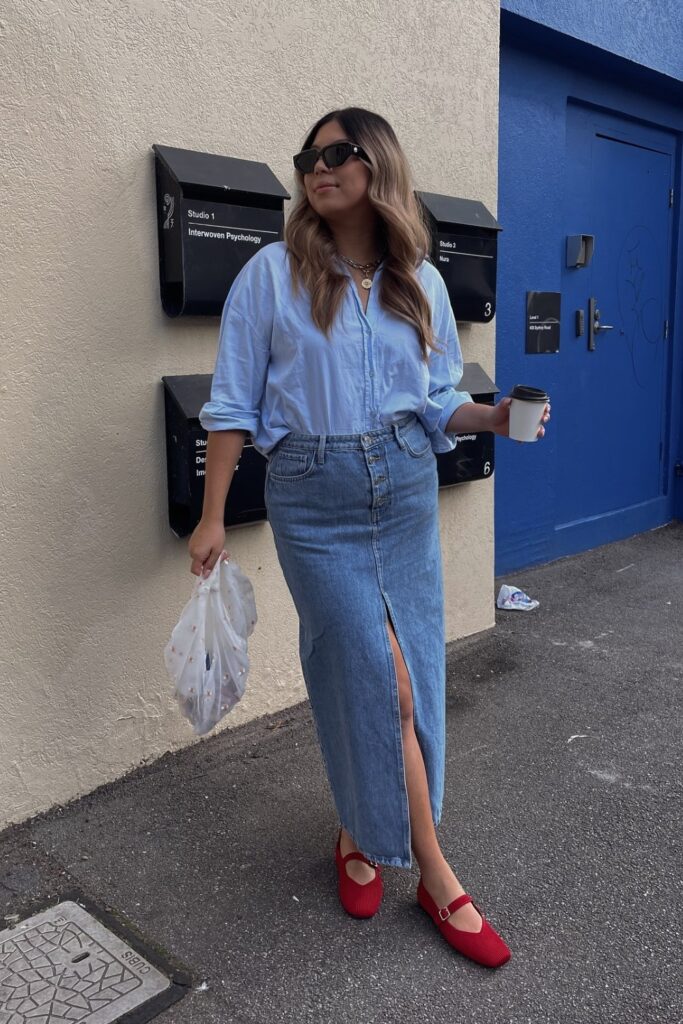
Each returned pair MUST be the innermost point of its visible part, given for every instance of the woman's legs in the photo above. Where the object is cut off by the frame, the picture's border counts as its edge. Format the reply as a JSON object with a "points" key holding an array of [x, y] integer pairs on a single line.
{"points": [[439, 879]]}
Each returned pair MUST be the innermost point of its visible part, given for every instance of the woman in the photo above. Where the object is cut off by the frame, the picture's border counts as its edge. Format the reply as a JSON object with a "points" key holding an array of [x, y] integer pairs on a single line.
{"points": [[339, 354]]}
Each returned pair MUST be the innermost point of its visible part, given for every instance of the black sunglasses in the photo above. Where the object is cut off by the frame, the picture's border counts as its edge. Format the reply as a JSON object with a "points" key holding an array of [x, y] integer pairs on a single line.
{"points": [[333, 155]]}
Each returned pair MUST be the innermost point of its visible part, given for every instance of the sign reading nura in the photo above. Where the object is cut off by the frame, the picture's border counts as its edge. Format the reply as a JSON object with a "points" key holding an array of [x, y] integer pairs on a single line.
{"points": [[214, 213]]}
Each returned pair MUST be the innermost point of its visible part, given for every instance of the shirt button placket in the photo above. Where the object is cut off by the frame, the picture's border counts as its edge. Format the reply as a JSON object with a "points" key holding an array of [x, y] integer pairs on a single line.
{"points": [[371, 375]]}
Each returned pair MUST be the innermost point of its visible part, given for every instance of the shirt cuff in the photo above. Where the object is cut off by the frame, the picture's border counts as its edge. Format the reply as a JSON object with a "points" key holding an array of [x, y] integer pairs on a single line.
{"points": [[214, 416], [454, 402], [442, 441]]}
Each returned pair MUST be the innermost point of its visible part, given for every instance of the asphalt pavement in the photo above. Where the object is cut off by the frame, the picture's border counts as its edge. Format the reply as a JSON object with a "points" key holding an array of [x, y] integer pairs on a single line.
{"points": [[561, 818]]}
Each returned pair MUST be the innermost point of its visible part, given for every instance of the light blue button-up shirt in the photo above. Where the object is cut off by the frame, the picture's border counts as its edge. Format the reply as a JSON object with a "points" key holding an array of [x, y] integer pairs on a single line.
{"points": [[276, 371]]}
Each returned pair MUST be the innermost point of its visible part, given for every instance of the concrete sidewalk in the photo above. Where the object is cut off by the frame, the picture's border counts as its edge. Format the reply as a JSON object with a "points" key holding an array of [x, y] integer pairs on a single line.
{"points": [[562, 819]]}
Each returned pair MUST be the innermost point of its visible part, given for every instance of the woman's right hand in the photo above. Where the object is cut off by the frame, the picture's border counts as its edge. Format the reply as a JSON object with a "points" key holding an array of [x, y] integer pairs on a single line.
{"points": [[206, 546]]}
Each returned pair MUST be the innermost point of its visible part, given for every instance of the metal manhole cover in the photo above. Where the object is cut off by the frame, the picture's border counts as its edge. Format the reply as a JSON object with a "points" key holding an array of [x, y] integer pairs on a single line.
{"points": [[63, 966]]}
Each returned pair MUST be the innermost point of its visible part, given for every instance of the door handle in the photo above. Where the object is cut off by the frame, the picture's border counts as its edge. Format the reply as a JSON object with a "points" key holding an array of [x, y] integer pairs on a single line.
{"points": [[594, 324]]}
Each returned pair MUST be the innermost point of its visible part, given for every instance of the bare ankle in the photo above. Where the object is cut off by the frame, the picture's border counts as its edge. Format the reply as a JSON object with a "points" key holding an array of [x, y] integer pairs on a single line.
{"points": [[433, 866], [347, 842]]}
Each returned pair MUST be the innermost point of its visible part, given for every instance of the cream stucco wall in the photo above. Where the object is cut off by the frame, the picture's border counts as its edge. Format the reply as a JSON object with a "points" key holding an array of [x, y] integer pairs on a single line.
{"points": [[94, 579]]}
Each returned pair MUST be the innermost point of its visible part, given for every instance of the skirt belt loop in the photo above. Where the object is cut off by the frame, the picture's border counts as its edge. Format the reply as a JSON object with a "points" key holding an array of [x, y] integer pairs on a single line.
{"points": [[399, 440], [320, 454]]}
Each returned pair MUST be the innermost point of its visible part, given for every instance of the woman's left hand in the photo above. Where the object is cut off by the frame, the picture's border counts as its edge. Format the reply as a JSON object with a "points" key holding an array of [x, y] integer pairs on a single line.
{"points": [[500, 419]]}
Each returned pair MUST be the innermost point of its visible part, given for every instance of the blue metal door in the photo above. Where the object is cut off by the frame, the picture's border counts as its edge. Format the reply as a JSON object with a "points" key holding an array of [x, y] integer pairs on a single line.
{"points": [[612, 383], [605, 469]]}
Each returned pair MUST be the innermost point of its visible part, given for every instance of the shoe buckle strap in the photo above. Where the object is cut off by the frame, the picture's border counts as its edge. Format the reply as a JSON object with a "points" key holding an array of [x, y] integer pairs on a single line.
{"points": [[355, 855], [460, 901]]}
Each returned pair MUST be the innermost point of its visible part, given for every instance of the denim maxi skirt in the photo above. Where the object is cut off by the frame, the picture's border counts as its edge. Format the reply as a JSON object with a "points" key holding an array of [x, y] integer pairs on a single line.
{"points": [[356, 530]]}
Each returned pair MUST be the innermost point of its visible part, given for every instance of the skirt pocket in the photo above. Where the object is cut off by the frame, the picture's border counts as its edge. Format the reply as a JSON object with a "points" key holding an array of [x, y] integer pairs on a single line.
{"points": [[417, 440], [289, 465]]}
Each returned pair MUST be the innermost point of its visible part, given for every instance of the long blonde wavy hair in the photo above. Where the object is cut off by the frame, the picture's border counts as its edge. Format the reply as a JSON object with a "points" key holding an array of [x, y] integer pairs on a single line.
{"points": [[404, 231]]}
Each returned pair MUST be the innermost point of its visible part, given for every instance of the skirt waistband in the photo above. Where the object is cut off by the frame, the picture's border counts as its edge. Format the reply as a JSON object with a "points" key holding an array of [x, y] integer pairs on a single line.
{"points": [[363, 441]]}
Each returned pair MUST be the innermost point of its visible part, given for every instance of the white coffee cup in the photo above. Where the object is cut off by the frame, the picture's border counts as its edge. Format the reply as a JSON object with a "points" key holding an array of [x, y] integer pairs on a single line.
{"points": [[526, 412]]}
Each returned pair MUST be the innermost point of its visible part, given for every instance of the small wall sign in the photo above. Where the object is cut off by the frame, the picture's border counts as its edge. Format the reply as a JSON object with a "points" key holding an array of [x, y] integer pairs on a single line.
{"points": [[542, 322]]}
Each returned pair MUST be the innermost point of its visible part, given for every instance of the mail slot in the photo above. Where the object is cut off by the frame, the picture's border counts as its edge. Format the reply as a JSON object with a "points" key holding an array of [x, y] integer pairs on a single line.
{"points": [[213, 213], [473, 456], [465, 251]]}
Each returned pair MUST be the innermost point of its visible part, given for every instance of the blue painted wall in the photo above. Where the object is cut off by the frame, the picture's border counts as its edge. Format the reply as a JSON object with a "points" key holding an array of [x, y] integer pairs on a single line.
{"points": [[540, 68], [648, 32]]}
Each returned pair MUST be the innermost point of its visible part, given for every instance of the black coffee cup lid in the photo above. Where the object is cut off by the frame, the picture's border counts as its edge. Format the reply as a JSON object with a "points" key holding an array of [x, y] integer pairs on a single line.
{"points": [[527, 394]]}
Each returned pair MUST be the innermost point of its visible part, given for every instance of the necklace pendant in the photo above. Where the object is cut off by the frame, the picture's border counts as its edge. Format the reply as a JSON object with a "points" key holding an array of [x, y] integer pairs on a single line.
{"points": [[366, 282]]}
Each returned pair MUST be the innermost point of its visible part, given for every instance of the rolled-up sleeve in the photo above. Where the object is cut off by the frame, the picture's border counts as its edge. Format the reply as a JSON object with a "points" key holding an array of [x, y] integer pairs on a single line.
{"points": [[240, 372], [445, 373]]}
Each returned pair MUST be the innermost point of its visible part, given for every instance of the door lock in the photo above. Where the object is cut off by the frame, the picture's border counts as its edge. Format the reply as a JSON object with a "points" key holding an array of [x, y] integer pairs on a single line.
{"points": [[594, 324]]}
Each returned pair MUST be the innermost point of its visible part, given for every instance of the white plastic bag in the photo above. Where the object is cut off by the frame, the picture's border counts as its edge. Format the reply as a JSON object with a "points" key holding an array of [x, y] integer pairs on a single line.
{"points": [[207, 653], [513, 599]]}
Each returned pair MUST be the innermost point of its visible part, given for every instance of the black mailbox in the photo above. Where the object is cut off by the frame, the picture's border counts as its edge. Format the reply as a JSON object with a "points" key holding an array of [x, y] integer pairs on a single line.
{"points": [[213, 213], [464, 249], [472, 457], [186, 442]]}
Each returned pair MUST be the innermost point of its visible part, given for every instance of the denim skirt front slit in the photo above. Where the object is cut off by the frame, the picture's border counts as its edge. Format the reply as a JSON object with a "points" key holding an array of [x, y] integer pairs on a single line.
{"points": [[356, 530]]}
